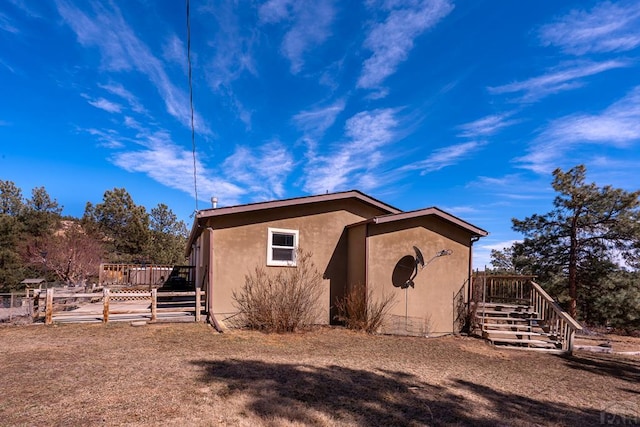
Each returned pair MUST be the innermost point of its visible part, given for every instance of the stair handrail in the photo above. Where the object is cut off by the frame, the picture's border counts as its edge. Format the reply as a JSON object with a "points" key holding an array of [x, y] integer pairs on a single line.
{"points": [[570, 325], [573, 322]]}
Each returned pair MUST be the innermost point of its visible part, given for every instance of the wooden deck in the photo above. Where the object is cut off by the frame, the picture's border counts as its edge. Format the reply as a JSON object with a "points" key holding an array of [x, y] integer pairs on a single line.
{"points": [[515, 311]]}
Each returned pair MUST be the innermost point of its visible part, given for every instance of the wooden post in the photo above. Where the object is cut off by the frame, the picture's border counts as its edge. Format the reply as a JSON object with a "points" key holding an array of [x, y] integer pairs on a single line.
{"points": [[198, 304], [105, 307], [11, 302], [48, 310], [154, 304]]}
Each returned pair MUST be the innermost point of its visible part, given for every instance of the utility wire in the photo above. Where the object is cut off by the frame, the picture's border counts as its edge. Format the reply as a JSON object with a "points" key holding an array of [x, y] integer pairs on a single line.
{"points": [[193, 129]]}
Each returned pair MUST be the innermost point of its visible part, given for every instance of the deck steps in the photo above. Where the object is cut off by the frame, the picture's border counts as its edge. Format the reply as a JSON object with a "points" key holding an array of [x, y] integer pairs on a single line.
{"points": [[524, 343], [513, 326], [502, 306], [511, 320], [518, 333]]}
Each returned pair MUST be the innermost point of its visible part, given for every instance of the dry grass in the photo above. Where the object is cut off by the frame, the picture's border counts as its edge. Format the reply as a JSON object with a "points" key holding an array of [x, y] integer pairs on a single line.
{"points": [[186, 374]]}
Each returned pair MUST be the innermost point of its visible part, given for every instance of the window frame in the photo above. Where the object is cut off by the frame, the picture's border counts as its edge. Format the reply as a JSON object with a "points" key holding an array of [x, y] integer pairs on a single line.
{"points": [[270, 246]]}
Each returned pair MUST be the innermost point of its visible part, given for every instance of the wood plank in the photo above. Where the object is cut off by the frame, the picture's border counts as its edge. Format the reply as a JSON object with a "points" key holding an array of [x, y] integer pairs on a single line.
{"points": [[105, 305], [550, 344], [48, 310], [198, 305], [116, 294], [154, 304], [510, 319], [175, 309], [517, 333], [178, 294], [60, 294], [505, 325], [132, 311]]}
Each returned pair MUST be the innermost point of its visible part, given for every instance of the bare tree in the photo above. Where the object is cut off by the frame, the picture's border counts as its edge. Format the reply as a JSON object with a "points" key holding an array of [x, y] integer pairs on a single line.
{"points": [[71, 254]]}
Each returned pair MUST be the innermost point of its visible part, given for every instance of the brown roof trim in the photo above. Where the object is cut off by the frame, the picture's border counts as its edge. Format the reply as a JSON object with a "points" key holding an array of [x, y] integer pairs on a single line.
{"points": [[253, 207], [426, 212]]}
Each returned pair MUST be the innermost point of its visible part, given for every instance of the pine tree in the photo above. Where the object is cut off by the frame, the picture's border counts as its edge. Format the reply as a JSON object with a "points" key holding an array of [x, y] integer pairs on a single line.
{"points": [[588, 224]]}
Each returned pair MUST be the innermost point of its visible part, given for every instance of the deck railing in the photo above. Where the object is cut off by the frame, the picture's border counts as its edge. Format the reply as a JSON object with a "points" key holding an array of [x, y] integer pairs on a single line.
{"points": [[134, 274], [508, 289], [553, 319], [522, 290]]}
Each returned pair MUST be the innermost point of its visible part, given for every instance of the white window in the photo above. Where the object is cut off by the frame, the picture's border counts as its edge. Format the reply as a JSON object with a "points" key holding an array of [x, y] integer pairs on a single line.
{"points": [[281, 248]]}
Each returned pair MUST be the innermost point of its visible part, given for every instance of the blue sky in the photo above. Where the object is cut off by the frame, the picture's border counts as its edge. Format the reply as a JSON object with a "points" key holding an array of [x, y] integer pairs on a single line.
{"points": [[468, 105]]}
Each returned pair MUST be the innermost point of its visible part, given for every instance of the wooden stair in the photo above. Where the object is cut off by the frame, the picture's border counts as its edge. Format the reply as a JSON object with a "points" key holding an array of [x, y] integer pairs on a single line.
{"points": [[515, 326]]}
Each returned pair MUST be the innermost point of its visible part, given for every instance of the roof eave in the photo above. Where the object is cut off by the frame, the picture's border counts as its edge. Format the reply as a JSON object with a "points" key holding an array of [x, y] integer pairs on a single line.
{"points": [[274, 204], [475, 231]]}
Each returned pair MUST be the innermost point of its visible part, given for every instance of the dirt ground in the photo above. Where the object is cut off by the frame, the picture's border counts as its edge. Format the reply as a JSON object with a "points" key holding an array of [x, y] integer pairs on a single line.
{"points": [[187, 374], [617, 343]]}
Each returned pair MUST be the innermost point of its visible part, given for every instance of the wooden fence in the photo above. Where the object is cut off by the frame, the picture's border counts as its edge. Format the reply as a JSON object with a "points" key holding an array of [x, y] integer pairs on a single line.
{"points": [[113, 305], [133, 274]]}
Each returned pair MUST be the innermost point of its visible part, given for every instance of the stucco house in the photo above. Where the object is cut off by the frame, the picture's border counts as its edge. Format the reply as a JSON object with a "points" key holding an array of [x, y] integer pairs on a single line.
{"points": [[355, 239]]}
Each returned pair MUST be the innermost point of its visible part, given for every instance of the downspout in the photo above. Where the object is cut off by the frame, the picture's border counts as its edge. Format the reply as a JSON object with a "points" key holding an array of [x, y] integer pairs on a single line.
{"points": [[211, 317], [366, 259], [470, 281]]}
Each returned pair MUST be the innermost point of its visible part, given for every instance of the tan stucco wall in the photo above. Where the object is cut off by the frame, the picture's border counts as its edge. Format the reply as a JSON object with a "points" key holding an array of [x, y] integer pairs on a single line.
{"points": [[356, 259], [239, 245], [429, 305]]}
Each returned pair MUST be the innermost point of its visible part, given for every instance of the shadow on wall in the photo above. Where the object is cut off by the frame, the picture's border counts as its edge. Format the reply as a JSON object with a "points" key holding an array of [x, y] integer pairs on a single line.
{"points": [[302, 393], [336, 273]]}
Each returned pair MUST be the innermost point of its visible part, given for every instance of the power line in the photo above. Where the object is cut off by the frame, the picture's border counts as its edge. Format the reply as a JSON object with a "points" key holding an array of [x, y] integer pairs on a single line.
{"points": [[193, 129]]}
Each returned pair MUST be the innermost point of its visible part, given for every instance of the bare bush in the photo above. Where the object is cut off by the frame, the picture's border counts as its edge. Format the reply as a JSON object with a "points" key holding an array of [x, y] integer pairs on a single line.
{"points": [[283, 302], [361, 311]]}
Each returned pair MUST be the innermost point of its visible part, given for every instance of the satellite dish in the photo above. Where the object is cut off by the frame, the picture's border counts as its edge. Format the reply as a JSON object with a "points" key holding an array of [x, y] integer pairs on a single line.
{"points": [[419, 257], [403, 271]]}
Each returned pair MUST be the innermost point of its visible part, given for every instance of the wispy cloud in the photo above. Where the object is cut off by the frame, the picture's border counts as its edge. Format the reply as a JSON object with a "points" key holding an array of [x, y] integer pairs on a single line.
{"points": [[316, 121], [607, 27], [4, 123], [105, 105], [559, 79], [444, 157], [460, 210], [486, 126], [7, 25], [482, 251], [263, 171], [233, 47], [498, 246], [165, 162], [310, 26], [617, 126], [512, 187], [174, 50], [351, 162], [122, 50], [391, 41], [107, 138], [27, 7], [233, 55], [7, 66], [119, 90]]}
